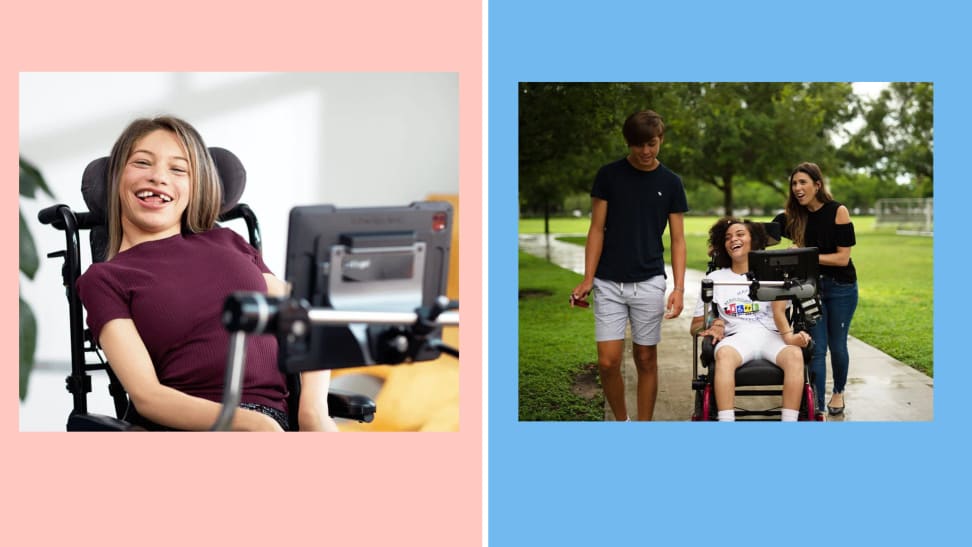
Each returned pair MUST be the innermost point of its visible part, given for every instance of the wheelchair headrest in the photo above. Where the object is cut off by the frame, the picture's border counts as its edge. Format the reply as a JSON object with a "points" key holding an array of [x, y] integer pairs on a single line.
{"points": [[232, 175]]}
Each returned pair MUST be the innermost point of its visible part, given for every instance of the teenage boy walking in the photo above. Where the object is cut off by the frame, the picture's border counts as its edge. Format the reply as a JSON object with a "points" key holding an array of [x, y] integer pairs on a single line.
{"points": [[632, 201]]}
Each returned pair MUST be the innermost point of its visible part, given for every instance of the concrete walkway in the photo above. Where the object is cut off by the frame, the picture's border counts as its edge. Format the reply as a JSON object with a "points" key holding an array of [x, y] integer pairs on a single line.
{"points": [[879, 388]]}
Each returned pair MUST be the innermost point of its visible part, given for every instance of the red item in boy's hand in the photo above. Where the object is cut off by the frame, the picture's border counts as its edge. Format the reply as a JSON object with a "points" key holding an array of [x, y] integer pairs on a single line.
{"points": [[580, 302]]}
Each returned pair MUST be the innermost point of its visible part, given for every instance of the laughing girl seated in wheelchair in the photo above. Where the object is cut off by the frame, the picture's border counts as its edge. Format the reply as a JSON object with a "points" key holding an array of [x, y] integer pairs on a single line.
{"points": [[154, 305], [745, 329]]}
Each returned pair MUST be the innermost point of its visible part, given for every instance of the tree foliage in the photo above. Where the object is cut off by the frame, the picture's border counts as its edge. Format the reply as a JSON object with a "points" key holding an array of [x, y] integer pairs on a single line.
{"points": [[896, 142], [734, 132], [565, 131], [731, 137]]}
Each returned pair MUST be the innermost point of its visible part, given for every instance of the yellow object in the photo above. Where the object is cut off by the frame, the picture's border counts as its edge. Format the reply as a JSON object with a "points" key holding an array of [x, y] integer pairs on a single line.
{"points": [[421, 396]]}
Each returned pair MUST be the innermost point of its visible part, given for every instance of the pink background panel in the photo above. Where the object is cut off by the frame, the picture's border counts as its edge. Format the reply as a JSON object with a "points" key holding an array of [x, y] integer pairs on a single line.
{"points": [[192, 489]]}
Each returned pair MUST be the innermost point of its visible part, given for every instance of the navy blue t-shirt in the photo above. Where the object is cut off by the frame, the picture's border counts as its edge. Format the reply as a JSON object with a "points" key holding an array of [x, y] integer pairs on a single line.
{"points": [[639, 203]]}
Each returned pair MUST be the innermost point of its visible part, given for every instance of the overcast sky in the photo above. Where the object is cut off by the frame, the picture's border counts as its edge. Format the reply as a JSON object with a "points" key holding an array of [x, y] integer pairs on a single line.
{"points": [[871, 89]]}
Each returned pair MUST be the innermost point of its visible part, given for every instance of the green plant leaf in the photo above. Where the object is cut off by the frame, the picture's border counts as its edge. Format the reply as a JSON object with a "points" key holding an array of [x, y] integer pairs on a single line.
{"points": [[28, 343], [31, 180], [28, 251]]}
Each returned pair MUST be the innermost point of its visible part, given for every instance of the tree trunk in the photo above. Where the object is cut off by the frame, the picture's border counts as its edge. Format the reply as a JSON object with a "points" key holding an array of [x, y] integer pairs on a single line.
{"points": [[727, 195], [546, 218], [546, 227]]}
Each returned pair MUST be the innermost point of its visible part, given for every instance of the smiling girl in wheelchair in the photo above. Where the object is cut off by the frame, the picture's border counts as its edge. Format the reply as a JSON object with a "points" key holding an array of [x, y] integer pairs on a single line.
{"points": [[155, 304], [743, 329]]}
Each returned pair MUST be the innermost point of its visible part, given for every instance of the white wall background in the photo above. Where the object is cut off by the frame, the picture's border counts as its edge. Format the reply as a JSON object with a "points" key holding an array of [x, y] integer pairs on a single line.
{"points": [[350, 139]]}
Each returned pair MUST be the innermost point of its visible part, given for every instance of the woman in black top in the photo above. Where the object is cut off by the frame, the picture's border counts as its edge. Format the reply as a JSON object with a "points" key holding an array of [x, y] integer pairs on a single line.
{"points": [[813, 219]]}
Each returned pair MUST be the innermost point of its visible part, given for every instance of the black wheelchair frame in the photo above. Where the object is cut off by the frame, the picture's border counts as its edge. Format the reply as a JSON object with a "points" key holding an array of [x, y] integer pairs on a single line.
{"points": [[341, 404], [755, 373]]}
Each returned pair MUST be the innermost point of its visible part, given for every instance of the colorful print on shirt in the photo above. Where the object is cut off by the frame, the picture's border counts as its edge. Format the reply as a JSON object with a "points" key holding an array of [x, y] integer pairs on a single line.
{"points": [[741, 309]]}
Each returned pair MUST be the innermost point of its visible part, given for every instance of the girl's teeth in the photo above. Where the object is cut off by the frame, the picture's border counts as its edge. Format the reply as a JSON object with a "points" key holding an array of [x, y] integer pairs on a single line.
{"points": [[148, 194]]}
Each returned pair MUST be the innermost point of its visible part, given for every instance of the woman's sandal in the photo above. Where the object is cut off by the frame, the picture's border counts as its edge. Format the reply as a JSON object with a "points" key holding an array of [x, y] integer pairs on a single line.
{"points": [[835, 410]]}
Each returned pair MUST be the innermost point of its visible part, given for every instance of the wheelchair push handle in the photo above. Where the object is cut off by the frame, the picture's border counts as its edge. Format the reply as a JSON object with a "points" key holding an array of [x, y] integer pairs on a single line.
{"points": [[708, 288], [62, 217], [52, 214]]}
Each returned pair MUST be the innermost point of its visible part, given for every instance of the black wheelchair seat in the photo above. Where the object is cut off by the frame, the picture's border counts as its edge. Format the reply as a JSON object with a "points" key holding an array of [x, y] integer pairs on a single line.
{"points": [[759, 372]]}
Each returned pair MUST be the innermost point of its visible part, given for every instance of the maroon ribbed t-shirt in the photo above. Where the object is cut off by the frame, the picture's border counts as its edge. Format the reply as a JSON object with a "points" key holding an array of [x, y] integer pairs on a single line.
{"points": [[173, 289]]}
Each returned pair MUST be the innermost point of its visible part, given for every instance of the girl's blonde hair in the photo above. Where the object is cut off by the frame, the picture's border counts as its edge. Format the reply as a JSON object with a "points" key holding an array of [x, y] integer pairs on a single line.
{"points": [[205, 188]]}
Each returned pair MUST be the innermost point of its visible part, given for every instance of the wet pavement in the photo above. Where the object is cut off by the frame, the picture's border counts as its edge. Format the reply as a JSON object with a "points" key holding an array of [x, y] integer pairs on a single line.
{"points": [[879, 387]]}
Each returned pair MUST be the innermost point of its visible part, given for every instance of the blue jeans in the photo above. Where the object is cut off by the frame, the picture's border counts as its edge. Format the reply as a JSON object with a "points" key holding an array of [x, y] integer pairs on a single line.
{"points": [[839, 302]]}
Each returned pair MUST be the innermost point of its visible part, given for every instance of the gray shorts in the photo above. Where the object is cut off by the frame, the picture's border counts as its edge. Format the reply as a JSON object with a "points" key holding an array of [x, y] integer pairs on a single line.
{"points": [[642, 303]]}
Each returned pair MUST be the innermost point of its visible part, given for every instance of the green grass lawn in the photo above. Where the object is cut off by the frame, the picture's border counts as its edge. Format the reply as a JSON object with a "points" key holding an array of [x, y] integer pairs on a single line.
{"points": [[895, 277], [557, 342]]}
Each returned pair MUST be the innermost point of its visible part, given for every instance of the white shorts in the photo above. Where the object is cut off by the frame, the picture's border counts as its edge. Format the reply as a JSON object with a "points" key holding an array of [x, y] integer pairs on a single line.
{"points": [[754, 342], [642, 303]]}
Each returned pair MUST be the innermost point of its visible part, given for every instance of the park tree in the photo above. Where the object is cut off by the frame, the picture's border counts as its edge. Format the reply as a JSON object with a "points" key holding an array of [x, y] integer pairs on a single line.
{"points": [[734, 132], [858, 190], [563, 133], [569, 130], [895, 142], [722, 134]]}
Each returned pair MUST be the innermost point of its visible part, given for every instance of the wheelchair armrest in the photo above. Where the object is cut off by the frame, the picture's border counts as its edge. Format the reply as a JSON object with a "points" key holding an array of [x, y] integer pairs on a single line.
{"points": [[707, 354], [98, 422], [349, 405]]}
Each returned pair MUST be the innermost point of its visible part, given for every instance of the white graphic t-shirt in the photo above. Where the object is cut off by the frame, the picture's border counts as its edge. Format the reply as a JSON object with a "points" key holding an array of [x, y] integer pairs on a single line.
{"points": [[735, 306]]}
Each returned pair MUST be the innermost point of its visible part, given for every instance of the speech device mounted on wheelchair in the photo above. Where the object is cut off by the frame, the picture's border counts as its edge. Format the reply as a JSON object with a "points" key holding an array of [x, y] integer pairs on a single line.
{"points": [[783, 274], [367, 288]]}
